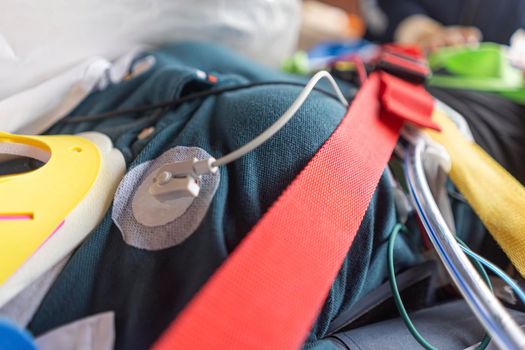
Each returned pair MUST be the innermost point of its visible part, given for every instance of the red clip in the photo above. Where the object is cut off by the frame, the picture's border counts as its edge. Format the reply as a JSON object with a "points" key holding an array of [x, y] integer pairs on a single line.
{"points": [[406, 101], [404, 62]]}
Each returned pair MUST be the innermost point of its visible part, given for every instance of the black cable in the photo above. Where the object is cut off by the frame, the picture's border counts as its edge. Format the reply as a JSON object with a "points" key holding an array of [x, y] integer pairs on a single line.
{"points": [[189, 97]]}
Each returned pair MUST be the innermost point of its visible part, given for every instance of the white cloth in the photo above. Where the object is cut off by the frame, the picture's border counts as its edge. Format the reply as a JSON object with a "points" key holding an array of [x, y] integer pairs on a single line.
{"points": [[516, 52], [41, 39], [21, 309], [34, 110], [96, 332]]}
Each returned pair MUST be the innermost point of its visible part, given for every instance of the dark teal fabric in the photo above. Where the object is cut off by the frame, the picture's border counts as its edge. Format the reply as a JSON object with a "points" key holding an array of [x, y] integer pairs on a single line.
{"points": [[148, 289]]}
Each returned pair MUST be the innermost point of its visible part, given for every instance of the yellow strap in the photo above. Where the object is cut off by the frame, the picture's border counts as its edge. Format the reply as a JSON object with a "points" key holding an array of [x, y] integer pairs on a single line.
{"points": [[496, 197]]}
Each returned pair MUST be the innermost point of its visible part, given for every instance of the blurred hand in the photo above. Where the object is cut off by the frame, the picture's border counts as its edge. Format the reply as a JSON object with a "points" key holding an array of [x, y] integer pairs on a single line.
{"points": [[431, 35], [449, 36]]}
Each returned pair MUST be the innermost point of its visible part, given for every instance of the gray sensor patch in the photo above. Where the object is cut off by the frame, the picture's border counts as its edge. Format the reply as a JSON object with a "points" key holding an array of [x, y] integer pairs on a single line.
{"points": [[147, 223]]}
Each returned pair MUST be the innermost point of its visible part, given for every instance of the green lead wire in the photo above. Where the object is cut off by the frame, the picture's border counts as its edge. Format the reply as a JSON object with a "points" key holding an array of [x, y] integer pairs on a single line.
{"points": [[397, 297]]}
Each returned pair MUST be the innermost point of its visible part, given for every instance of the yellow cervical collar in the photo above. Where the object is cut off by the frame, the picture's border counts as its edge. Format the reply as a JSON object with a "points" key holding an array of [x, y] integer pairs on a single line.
{"points": [[34, 204]]}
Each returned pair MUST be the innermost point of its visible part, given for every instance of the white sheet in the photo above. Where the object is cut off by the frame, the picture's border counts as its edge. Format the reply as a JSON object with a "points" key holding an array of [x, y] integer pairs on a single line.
{"points": [[40, 40]]}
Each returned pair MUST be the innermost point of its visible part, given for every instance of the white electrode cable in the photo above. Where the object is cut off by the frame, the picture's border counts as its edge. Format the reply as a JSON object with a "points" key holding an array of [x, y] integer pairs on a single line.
{"points": [[283, 119], [178, 180]]}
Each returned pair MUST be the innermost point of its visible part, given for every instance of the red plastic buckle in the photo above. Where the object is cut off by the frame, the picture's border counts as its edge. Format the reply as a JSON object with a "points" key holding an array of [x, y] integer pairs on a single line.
{"points": [[406, 101], [405, 63]]}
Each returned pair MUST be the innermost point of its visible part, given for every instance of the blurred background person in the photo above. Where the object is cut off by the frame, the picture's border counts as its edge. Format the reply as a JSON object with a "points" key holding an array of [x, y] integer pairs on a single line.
{"points": [[434, 24]]}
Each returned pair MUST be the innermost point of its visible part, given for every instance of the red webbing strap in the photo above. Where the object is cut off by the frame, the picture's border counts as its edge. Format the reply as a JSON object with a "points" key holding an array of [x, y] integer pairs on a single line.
{"points": [[270, 290]]}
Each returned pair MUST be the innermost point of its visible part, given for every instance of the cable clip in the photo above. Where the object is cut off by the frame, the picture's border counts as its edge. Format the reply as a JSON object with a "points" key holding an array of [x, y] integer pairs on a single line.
{"points": [[181, 179]]}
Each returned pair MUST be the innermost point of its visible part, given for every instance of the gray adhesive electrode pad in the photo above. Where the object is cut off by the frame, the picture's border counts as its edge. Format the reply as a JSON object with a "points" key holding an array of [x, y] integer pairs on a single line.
{"points": [[166, 224]]}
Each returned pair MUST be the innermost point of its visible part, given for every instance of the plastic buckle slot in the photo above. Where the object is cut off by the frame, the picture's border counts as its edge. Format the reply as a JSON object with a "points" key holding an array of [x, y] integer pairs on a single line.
{"points": [[404, 66]]}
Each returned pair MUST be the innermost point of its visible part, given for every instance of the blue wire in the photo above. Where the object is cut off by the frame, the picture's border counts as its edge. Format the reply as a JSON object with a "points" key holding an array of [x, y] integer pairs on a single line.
{"points": [[520, 294]]}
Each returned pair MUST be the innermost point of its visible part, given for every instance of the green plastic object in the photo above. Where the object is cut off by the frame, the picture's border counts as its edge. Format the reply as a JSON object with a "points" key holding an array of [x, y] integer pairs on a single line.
{"points": [[483, 68], [297, 64]]}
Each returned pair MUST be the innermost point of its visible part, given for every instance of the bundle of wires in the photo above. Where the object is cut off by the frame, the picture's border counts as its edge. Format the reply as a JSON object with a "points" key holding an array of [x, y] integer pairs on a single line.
{"points": [[478, 261]]}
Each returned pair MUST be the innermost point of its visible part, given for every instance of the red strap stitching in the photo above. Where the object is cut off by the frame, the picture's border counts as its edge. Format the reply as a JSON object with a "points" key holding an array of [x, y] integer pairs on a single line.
{"points": [[269, 291]]}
